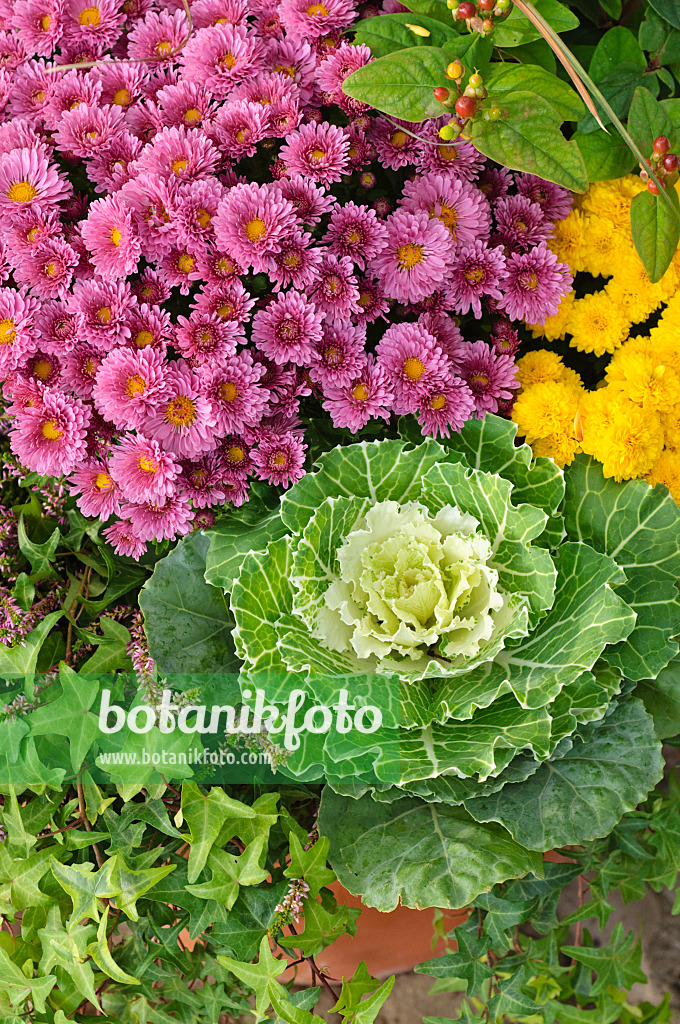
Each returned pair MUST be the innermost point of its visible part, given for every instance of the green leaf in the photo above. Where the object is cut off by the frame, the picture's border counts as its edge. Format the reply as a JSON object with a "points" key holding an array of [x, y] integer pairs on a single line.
{"points": [[310, 864], [617, 964], [656, 231], [23, 592], [248, 920], [435, 9], [231, 539], [287, 1012], [667, 9], [466, 963], [528, 138], [639, 527], [258, 976], [501, 79], [401, 83], [617, 46], [661, 697], [605, 156], [100, 953], [662, 41], [21, 659], [206, 815], [580, 796], [187, 621], [517, 29], [511, 1000], [260, 596], [618, 89], [325, 922], [70, 715], [19, 988], [647, 120], [39, 555], [354, 989], [423, 855], [85, 886], [389, 32], [133, 884], [368, 1009]]}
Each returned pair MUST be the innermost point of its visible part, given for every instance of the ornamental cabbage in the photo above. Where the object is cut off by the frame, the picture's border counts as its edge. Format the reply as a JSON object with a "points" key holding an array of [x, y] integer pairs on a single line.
{"points": [[507, 609]]}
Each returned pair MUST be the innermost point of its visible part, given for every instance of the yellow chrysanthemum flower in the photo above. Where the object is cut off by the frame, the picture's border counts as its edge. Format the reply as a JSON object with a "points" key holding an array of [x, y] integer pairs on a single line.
{"points": [[542, 366], [567, 240], [555, 326], [544, 414], [666, 470], [632, 291], [670, 421], [604, 245], [645, 379], [624, 437], [597, 325], [612, 199]]}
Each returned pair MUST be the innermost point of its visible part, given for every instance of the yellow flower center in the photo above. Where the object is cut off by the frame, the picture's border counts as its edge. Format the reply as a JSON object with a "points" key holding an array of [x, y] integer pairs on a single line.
{"points": [[32, 234], [448, 216], [255, 229], [38, 97], [284, 69], [365, 300], [192, 115], [42, 369], [50, 431], [333, 356], [228, 391], [479, 378], [181, 411], [241, 135], [203, 218], [51, 269], [353, 237], [122, 98], [7, 332], [235, 454], [413, 368], [437, 403], [90, 16], [529, 280], [279, 460], [185, 263], [360, 392], [318, 9], [225, 265], [135, 385], [163, 47], [227, 61], [22, 192], [104, 315], [146, 464], [115, 236], [399, 139], [447, 152], [143, 338], [409, 256], [89, 367], [179, 165], [45, 22], [474, 275], [291, 260], [103, 482], [317, 154], [225, 312]]}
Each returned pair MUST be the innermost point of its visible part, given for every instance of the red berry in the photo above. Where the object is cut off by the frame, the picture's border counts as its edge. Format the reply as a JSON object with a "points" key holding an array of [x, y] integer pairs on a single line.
{"points": [[670, 162], [441, 94], [488, 25], [465, 11], [466, 106], [486, 5], [662, 145], [651, 187]]}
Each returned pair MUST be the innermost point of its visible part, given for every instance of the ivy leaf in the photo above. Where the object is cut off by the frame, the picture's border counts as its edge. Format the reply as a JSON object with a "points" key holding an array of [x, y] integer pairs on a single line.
{"points": [[69, 715], [21, 659], [465, 964], [617, 964], [368, 1009], [39, 555], [19, 988], [249, 919], [286, 1011], [448, 860], [85, 886], [310, 864], [132, 884], [656, 230], [187, 622], [258, 976], [511, 1000], [610, 768], [503, 915], [205, 816], [325, 922], [100, 953], [528, 138], [68, 949], [354, 989]]}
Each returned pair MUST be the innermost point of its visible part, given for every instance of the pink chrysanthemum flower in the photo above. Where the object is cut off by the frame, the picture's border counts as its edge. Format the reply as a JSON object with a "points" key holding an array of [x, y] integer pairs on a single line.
{"points": [[233, 388], [98, 494], [216, 268], [296, 262], [187, 104], [105, 307], [495, 183], [412, 359], [151, 200], [444, 330], [280, 459], [361, 152], [111, 169], [87, 129], [69, 91], [142, 470], [150, 289], [47, 268], [372, 303], [457, 159], [59, 325], [42, 367], [51, 438], [504, 337], [33, 87], [110, 238], [447, 408], [239, 126], [251, 222], [310, 201], [121, 84], [206, 339], [287, 329], [226, 301], [535, 285], [394, 142], [123, 539], [80, 367], [458, 205], [23, 392], [296, 61], [222, 56], [305, 21], [12, 50], [490, 377], [17, 328], [234, 454], [94, 23], [477, 272], [356, 232], [150, 327], [160, 35], [278, 96], [185, 154], [368, 396], [130, 384], [336, 290], [206, 13], [339, 357], [334, 69], [520, 223], [144, 120], [40, 23], [184, 421], [179, 269], [267, 23], [29, 181], [555, 201], [160, 521], [19, 133], [203, 481], [417, 256], [317, 151]]}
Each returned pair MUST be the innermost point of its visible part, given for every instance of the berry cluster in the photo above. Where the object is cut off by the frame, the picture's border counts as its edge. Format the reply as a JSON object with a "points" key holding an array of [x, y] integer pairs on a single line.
{"points": [[663, 163], [480, 15], [465, 101]]}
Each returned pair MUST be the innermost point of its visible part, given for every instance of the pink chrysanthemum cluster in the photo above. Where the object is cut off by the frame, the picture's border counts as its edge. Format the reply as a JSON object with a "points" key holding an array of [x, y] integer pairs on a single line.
{"points": [[234, 248]]}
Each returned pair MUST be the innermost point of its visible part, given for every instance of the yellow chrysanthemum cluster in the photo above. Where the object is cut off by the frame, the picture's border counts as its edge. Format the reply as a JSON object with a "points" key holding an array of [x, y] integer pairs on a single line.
{"points": [[631, 421]]}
